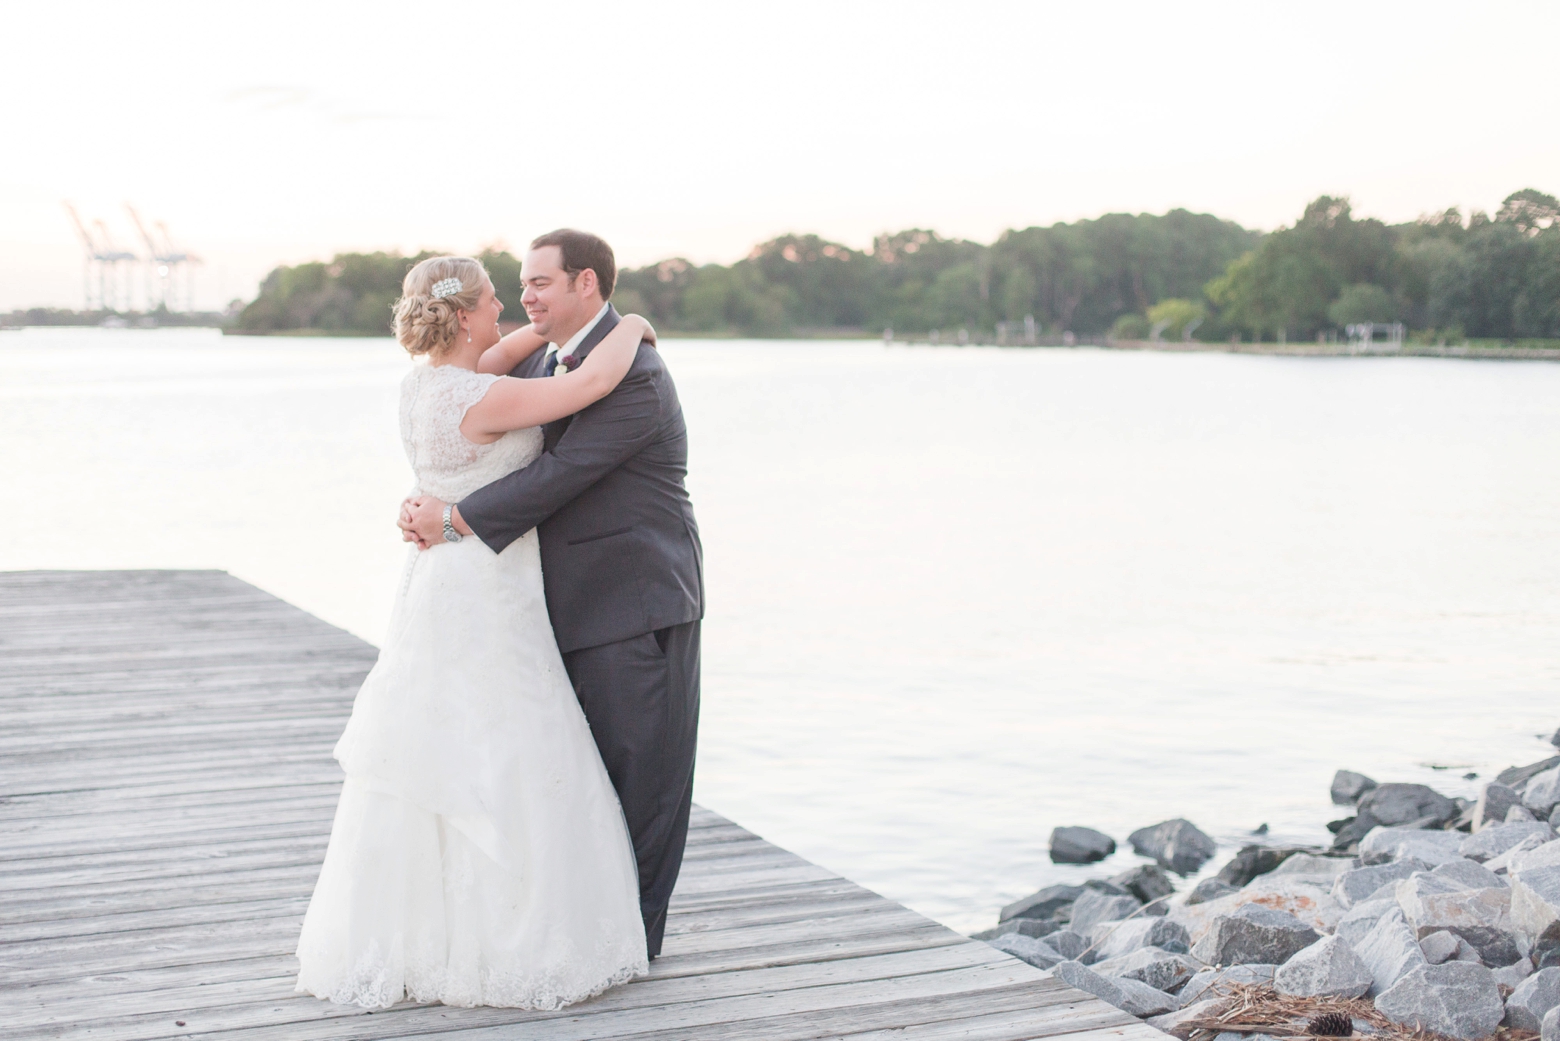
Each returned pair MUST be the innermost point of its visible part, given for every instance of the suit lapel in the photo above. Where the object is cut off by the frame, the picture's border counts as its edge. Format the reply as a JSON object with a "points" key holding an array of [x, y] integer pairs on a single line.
{"points": [[608, 322]]}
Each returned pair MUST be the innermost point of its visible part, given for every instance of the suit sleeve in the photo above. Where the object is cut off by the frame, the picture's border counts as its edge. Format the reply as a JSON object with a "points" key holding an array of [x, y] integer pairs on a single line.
{"points": [[599, 439]]}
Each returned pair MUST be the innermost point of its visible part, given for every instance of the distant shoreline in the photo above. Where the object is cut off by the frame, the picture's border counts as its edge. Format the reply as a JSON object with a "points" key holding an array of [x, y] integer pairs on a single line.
{"points": [[1475, 351], [1341, 350]]}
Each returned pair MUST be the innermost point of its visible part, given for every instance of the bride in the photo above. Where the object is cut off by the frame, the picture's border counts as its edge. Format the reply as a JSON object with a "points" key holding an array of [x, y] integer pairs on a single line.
{"points": [[478, 855]]}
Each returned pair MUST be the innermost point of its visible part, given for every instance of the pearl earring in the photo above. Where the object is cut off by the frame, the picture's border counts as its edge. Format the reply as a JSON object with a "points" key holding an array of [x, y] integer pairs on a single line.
{"points": [[468, 335]]}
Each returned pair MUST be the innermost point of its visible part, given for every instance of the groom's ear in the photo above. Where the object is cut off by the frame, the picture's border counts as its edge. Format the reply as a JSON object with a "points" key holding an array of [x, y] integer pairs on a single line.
{"points": [[586, 282]]}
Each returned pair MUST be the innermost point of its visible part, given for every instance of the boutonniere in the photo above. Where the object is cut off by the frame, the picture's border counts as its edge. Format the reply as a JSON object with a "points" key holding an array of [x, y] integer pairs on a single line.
{"points": [[566, 363]]}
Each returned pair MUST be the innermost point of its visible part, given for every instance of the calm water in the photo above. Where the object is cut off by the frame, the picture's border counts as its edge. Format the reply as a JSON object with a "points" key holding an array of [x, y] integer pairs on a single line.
{"points": [[957, 597]]}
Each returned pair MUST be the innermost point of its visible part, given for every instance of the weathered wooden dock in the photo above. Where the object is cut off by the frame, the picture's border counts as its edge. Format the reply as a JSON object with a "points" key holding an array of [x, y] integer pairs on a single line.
{"points": [[166, 792]]}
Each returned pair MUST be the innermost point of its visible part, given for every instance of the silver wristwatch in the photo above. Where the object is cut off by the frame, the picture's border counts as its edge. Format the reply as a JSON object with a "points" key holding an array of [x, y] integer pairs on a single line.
{"points": [[450, 534]]}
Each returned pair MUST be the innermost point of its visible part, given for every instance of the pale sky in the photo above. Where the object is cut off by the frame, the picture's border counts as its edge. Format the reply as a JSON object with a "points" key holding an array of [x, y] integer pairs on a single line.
{"points": [[277, 132]]}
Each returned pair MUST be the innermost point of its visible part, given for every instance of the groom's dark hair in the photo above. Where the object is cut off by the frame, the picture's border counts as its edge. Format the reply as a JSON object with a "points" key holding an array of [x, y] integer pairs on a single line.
{"points": [[583, 250]]}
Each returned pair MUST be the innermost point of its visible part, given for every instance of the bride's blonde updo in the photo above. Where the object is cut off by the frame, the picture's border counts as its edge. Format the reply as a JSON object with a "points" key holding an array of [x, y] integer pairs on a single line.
{"points": [[428, 326]]}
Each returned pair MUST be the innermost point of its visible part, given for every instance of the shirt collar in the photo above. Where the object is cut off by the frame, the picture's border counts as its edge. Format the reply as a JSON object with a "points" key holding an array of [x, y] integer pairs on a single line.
{"points": [[575, 340]]}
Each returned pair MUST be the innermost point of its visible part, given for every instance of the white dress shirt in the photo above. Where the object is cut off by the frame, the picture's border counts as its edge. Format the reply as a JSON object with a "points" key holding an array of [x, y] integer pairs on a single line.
{"points": [[575, 340]]}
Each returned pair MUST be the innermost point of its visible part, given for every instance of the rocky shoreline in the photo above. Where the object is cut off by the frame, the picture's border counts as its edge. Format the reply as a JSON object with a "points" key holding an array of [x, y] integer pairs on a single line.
{"points": [[1427, 915]]}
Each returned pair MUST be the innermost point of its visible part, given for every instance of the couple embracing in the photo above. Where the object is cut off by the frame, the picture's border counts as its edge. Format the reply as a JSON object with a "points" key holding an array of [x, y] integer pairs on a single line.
{"points": [[519, 762]]}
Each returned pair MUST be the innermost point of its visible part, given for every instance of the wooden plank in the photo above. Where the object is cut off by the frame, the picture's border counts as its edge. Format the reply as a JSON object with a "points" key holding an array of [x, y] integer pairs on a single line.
{"points": [[590, 1020], [174, 907], [142, 995]]}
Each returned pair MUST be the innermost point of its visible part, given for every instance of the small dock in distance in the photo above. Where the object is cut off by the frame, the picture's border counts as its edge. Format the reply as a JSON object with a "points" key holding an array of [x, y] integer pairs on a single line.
{"points": [[166, 793]]}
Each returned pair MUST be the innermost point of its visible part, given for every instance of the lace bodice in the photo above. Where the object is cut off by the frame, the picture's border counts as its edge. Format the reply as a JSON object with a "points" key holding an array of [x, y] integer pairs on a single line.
{"points": [[434, 400]]}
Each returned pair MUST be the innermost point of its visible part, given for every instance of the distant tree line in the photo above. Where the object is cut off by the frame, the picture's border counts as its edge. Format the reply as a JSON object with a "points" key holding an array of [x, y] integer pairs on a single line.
{"points": [[1479, 277], [1126, 275], [160, 318]]}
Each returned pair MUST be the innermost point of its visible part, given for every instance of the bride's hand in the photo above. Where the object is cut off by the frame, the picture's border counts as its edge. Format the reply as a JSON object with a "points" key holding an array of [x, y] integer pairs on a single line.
{"points": [[407, 521], [649, 332]]}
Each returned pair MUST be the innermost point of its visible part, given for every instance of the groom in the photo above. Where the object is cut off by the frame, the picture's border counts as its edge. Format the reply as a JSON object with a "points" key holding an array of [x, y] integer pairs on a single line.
{"points": [[621, 559]]}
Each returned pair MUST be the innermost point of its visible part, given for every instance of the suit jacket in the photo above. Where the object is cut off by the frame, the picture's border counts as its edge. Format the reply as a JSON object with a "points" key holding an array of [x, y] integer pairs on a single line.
{"points": [[620, 547]]}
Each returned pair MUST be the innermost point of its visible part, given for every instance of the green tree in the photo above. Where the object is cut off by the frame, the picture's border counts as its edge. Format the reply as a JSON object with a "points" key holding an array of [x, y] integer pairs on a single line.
{"points": [[1362, 303], [1130, 327], [1177, 316], [706, 302], [1530, 210], [1285, 286]]}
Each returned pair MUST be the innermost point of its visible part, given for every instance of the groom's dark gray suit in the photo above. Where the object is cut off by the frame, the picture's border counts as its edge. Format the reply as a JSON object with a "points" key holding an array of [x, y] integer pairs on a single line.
{"points": [[623, 570]]}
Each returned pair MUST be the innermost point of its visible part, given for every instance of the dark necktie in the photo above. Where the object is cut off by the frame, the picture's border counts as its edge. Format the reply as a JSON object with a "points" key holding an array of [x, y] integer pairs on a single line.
{"points": [[550, 365]]}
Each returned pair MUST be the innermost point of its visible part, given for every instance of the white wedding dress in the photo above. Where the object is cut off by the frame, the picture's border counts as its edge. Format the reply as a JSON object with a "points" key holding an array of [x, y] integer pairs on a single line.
{"points": [[479, 855]]}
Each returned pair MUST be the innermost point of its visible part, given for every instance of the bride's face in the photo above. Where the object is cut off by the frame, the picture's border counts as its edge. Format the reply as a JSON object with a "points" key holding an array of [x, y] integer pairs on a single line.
{"points": [[482, 323]]}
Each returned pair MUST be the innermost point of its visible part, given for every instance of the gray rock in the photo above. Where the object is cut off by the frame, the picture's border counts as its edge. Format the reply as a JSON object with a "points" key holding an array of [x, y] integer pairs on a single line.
{"points": [[1397, 804], [1068, 943], [1326, 968], [1495, 799], [1303, 896], [1550, 1031], [1481, 916], [1176, 845], [1080, 845], [1161, 970], [1542, 793], [1349, 832], [1390, 949], [1131, 996], [1146, 882], [1468, 873], [1496, 839], [1520, 815], [1440, 946], [1250, 862], [1354, 886], [1545, 854], [1253, 934], [1144, 1001], [1209, 889], [1513, 974], [1027, 948], [1363, 916], [1517, 856], [1426, 884], [1076, 974], [1050, 902], [1518, 776], [1348, 786], [1314, 866], [1535, 907], [1178, 1024], [1433, 847], [1113, 939], [1033, 927], [1445, 946], [1210, 982], [1556, 739], [1532, 999], [1456, 999], [1468, 952], [1386, 892], [1554, 818], [1094, 907]]}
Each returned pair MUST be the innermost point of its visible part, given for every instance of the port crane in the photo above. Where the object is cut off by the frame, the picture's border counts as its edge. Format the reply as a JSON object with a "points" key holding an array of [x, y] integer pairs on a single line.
{"points": [[104, 281], [170, 270]]}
